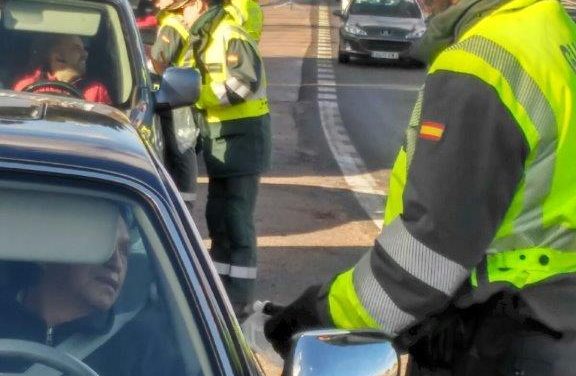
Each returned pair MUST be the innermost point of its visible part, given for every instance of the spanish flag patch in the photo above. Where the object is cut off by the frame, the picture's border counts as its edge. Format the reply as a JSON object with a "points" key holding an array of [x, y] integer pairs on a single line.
{"points": [[430, 130]]}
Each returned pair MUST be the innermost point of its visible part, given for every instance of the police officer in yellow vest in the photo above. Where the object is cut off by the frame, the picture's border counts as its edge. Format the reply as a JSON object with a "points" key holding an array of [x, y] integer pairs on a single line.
{"points": [[179, 128], [236, 141], [475, 270], [172, 38]]}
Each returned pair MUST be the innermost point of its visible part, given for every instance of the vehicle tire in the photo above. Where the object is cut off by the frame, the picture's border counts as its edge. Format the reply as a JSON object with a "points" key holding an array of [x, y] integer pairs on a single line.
{"points": [[343, 58], [415, 64]]}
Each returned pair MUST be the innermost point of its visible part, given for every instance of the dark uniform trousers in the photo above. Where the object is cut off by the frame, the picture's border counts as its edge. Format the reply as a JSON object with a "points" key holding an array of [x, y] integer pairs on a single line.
{"points": [[230, 218], [236, 153]]}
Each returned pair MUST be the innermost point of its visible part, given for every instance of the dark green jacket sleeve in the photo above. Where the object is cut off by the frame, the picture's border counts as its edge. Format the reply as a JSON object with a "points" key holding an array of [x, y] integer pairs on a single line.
{"points": [[245, 77], [166, 48], [244, 66], [468, 163]]}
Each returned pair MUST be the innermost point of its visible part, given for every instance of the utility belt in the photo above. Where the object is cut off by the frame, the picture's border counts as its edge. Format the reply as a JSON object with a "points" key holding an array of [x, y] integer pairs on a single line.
{"points": [[471, 341], [524, 267]]}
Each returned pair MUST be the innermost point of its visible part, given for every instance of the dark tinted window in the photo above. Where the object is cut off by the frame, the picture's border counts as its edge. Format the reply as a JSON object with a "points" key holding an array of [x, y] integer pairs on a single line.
{"points": [[386, 8]]}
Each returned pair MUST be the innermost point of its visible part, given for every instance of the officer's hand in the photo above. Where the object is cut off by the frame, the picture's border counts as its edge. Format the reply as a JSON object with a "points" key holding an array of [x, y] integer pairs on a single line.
{"points": [[300, 315]]}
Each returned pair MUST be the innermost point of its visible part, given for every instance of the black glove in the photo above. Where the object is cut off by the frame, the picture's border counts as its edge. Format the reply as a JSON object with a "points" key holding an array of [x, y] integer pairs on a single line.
{"points": [[300, 315]]}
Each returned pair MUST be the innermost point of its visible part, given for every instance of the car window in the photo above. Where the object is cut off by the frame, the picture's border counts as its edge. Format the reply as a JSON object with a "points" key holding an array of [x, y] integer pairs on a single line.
{"points": [[80, 43], [89, 271], [386, 8]]}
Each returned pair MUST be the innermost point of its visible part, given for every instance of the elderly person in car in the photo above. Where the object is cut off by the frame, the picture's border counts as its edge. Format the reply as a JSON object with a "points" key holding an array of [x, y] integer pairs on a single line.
{"points": [[72, 300], [63, 64]]}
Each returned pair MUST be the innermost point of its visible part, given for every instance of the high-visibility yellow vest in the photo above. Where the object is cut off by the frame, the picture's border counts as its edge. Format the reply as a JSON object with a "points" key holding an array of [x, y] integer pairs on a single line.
{"points": [[176, 21], [536, 81], [252, 17], [214, 59]]}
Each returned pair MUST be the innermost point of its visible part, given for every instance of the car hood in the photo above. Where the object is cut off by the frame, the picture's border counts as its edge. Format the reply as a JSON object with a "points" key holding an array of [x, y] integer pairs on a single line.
{"points": [[407, 24], [49, 130], [27, 107]]}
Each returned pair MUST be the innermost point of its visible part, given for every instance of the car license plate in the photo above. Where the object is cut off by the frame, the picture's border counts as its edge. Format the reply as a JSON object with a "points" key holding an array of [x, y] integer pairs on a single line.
{"points": [[385, 55]]}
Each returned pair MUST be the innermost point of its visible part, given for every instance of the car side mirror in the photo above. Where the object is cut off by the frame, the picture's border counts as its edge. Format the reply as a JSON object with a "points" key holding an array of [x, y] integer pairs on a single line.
{"points": [[179, 87], [338, 13], [337, 352]]}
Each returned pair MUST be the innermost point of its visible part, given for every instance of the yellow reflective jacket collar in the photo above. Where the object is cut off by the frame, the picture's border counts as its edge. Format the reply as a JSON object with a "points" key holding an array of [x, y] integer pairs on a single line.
{"points": [[447, 27], [237, 10]]}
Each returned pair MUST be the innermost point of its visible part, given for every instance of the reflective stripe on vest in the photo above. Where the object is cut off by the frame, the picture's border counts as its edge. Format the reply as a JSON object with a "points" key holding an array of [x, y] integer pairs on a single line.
{"points": [[536, 84], [215, 55], [346, 310]]}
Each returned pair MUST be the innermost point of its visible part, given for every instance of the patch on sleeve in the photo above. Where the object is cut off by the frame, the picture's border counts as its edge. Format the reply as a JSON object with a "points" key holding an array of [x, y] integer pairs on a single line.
{"points": [[232, 59], [430, 130]]}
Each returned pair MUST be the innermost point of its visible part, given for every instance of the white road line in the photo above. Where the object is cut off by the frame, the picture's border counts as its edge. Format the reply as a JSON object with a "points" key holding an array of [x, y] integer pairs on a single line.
{"points": [[325, 96], [351, 164]]}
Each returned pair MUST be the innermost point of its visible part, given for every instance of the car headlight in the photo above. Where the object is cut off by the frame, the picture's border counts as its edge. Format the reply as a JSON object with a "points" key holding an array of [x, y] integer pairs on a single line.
{"points": [[416, 34], [354, 29]]}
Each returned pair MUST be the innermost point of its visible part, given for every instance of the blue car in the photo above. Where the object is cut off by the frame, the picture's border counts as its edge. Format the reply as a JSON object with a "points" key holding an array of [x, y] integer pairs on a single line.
{"points": [[102, 270], [110, 68]]}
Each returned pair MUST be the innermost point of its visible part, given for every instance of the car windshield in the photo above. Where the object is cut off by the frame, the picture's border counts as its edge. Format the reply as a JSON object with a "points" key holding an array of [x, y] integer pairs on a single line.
{"points": [[386, 8], [87, 269], [69, 47]]}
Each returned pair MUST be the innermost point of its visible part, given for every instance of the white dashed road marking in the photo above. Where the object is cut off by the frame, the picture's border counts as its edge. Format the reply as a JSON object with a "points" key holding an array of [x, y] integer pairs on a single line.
{"points": [[368, 193]]}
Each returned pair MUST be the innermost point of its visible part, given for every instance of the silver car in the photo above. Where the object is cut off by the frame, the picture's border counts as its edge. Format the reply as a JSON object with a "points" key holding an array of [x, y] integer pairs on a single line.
{"points": [[380, 29]]}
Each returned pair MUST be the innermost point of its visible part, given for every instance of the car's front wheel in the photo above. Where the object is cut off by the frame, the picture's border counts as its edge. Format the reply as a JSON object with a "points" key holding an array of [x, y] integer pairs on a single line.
{"points": [[343, 58]]}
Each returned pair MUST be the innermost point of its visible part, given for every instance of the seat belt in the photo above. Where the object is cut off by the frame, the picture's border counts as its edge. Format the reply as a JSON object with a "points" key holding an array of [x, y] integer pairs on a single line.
{"points": [[80, 346]]}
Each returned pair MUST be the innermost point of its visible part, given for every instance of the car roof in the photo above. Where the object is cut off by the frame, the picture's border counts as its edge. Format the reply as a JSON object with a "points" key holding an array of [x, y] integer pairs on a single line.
{"points": [[46, 131]]}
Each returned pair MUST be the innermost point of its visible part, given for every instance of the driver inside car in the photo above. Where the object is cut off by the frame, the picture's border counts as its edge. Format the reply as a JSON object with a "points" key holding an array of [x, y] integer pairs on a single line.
{"points": [[72, 307], [62, 71]]}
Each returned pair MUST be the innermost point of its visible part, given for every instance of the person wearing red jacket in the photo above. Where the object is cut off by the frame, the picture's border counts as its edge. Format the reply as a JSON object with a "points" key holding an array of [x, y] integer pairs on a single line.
{"points": [[64, 67]]}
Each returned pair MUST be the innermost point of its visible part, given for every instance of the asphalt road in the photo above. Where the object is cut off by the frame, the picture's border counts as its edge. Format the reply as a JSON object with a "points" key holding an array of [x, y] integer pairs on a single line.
{"points": [[309, 222], [374, 112], [375, 101]]}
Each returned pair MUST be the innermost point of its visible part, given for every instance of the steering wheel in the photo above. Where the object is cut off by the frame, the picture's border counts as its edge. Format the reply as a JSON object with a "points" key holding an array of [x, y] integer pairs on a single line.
{"points": [[46, 355], [59, 85]]}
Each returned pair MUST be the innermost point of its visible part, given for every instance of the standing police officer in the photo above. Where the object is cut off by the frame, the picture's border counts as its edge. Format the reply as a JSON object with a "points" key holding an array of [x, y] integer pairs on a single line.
{"points": [[179, 126], [172, 38], [236, 141], [475, 271]]}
